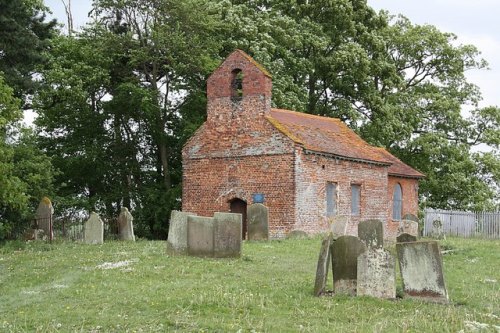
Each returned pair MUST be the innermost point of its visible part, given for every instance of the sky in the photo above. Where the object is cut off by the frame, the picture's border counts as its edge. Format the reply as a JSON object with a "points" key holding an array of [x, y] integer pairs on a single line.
{"points": [[473, 21]]}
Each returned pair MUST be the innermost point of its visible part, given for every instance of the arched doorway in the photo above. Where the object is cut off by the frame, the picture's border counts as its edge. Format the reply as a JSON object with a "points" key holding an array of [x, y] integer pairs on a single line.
{"points": [[239, 206]]}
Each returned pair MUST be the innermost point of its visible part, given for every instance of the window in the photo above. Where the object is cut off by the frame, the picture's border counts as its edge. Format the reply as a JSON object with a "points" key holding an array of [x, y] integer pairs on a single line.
{"points": [[397, 202], [331, 199], [237, 85], [355, 199]]}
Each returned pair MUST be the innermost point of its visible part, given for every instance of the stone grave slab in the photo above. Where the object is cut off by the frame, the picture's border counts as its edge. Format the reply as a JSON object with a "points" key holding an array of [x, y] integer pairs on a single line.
{"points": [[345, 252], [126, 225], [177, 232], [338, 225], [408, 227], [258, 222], [410, 217], [371, 232], [421, 267], [94, 230], [376, 274], [227, 235], [405, 238], [437, 229], [43, 215], [323, 266], [200, 236]]}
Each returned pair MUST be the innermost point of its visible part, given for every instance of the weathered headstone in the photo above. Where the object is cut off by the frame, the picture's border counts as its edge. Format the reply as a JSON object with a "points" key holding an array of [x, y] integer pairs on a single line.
{"points": [[437, 229], [408, 227], [258, 222], [410, 217], [200, 236], [405, 238], [345, 252], [421, 267], [323, 266], [227, 235], [126, 225], [94, 230], [376, 274], [44, 216], [338, 225], [297, 234], [371, 232], [177, 232]]}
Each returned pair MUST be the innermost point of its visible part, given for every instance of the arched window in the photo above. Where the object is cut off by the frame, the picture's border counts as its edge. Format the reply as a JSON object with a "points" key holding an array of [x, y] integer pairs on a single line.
{"points": [[397, 202], [237, 84]]}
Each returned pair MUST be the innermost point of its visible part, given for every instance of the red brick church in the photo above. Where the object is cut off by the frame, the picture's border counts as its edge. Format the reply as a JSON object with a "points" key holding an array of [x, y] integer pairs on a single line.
{"points": [[309, 169]]}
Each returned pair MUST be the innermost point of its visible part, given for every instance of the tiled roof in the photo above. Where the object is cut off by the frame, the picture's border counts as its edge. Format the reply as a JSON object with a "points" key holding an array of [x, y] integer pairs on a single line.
{"points": [[399, 168], [332, 136]]}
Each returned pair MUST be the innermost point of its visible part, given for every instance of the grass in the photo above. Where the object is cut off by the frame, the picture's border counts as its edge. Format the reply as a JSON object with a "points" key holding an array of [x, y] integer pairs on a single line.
{"points": [[136, 287]]}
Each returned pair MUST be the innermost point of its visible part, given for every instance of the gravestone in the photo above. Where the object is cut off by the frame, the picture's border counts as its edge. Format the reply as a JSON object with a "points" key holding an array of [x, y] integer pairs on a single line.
{"points": [[421, 267], [43, 216], [94, 230], [338, 225], [297, 234], [376, 274], [405, 238], [125, 225], [408, 227], [437, 229], [410, 217], [345, 252], [227, 235], [258, 222], [323, 266], [200, 236], [177, 232], [371, 232]]}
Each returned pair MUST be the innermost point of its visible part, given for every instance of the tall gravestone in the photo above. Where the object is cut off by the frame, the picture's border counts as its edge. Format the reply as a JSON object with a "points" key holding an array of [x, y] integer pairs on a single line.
{"points": [[421, 267], [376, 274], [437, 229], [94, 230], [44, 216], [345, 252], [371, 232], [338, 225], [200, 236], [177, 233], [323, 266], [408, 227], [125, 225], [227, 235], [258, 222]]}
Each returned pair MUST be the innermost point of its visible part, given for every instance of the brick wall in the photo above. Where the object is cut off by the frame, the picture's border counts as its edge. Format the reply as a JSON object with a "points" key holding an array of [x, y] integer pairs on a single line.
{"points": [[312, 174], [409, 188]]}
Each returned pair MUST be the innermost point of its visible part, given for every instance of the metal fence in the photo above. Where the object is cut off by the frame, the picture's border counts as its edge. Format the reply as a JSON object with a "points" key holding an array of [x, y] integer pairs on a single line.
{"points": [[462, 224]]}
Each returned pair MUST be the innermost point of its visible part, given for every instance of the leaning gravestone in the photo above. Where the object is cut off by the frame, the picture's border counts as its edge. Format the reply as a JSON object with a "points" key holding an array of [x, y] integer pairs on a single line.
{"points": [[437, 229], [323, 265], [421, 267], [44, 216], [177, 233], [125, 225], [258, 222], [227, 235], [200, 236], [345, 252], [338, 226], [94, 230], [405, 238], [371, 232], [376, 274]]}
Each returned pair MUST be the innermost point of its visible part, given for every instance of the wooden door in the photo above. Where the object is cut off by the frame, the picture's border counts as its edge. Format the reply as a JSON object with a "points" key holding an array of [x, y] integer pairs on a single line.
{"points": [[239, 206]]}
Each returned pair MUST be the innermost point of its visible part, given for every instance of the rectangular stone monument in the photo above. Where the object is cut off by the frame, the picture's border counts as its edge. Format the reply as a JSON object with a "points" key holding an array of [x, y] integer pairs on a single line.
{"points": [[345, 252], [421, 267], [258, 222], [177, 232], [94, 230], [200, 236], [126, 225], [371, 232], [376, 274], [227, 235], [323, 266], [43, 216], [338, 225]]}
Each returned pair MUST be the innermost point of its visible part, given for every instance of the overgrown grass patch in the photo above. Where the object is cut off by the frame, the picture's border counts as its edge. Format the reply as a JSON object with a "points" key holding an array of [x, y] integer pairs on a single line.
{"points": [[119, 286]]}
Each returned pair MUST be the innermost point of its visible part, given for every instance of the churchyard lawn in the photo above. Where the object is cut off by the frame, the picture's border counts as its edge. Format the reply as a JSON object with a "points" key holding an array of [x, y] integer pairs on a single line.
{"points": [[136, 287]]}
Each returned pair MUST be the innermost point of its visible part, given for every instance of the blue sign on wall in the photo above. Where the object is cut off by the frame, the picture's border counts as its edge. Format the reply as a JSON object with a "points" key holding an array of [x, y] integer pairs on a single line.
{"points": [[258, 197]]}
